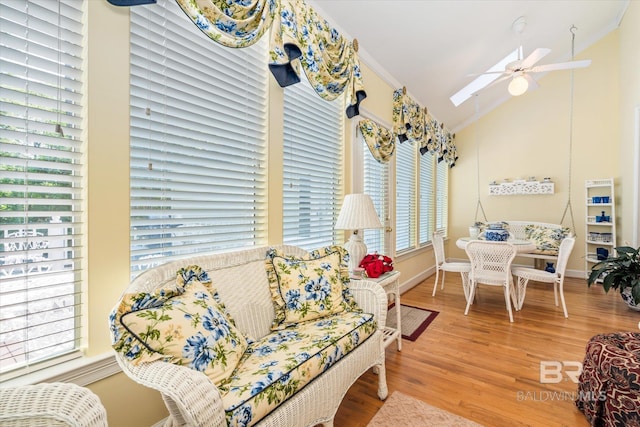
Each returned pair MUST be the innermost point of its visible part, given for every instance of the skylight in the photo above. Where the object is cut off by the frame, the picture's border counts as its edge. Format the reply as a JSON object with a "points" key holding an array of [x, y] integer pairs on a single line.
{"points": [[485, 79]]}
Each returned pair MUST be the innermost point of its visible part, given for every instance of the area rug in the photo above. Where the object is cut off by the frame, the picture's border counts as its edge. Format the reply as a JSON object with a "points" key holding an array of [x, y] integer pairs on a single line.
{"points": [[413, 320], [401, 410]]}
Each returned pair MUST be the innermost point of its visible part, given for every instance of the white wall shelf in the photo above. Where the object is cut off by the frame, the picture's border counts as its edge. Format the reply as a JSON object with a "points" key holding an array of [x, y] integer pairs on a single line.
{"points": [[521, 188], [599, 234]]}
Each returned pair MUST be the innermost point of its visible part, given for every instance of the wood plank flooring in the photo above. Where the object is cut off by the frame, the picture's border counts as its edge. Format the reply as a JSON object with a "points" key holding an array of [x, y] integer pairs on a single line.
{"points": [[486, 369]]}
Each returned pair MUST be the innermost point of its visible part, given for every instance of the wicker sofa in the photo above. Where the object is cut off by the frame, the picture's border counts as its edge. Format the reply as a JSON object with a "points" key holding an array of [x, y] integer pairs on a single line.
{"points": [[289, 372]]}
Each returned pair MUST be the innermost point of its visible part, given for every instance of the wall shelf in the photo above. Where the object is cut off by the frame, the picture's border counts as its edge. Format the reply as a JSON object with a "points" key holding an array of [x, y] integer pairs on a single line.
{"points": [[521, 187]]}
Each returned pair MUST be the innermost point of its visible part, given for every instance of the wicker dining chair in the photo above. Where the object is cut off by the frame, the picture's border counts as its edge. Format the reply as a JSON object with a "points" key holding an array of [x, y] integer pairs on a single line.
{"points": [[491, 265], [51, 405], [442, 265], [524, 274]]}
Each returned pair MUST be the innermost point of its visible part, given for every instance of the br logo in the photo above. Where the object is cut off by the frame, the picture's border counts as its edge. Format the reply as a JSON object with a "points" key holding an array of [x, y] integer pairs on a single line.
{"points": [[553, 371]]}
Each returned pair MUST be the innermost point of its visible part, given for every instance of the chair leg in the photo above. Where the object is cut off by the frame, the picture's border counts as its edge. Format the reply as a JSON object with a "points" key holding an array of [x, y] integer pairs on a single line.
{"points": [[465, 284], [435, 283], [444, 273], [564, 304], [507, 299], [472, 291], [521, 291]]}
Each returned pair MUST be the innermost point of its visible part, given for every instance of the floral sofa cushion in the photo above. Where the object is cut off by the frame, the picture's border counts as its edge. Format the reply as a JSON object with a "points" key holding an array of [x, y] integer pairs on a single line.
{"points": [[184, 323], [309, 288], [547, 240], [280, 364]]}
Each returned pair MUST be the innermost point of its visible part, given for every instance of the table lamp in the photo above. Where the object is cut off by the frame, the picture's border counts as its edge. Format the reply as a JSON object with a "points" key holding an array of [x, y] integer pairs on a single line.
{"points": [[357, 213]]}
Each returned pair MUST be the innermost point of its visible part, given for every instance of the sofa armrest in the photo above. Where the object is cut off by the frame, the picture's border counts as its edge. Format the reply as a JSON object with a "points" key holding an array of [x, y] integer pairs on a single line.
{"points": [[190, 397], [371, 298]]}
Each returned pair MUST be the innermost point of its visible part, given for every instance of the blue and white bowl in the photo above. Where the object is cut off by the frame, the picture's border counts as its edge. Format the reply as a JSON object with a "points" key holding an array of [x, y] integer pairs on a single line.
{"points": [[496, 233]]}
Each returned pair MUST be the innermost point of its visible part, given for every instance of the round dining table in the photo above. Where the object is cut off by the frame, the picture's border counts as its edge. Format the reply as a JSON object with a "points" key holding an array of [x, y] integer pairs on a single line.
{"points": [[522, 246]]}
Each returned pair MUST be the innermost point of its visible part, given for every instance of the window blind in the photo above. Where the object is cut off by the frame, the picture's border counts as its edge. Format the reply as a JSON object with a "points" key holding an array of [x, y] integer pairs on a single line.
{"points": [[198, 139], [41, 193], [376, 185], [312, 166], [427, 192], [442, 196], [406, 177]]}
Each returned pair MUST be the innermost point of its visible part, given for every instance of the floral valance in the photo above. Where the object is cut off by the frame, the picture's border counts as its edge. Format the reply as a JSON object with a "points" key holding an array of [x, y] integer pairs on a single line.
{"points": [[379, 139], [299, 37], [411, 122]]}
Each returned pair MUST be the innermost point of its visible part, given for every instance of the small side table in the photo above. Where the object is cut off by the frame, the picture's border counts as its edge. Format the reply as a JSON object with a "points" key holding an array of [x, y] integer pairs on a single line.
{"points": [[390, 282]]}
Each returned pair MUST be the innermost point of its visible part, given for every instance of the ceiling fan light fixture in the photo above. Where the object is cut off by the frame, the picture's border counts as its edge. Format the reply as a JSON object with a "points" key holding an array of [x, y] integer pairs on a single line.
{"points": [[518, 85]]}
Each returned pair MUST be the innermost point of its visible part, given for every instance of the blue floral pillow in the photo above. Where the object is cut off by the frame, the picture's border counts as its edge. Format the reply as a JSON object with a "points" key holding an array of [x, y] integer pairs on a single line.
{"points": [[182, 324], [547, 240], [308, 288]]}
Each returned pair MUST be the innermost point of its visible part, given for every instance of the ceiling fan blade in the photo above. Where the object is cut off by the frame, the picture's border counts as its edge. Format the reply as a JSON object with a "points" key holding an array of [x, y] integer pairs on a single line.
{"points": [[561, 66], [535, 56], [501, 79], [486, 73]]}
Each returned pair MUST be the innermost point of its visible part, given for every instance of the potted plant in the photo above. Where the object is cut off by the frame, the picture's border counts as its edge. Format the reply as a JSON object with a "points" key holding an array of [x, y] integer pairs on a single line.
{"points": [[620, 272]]}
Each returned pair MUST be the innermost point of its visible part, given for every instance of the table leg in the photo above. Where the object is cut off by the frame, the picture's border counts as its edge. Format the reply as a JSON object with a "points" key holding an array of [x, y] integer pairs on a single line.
{"points": [[398, 314]]}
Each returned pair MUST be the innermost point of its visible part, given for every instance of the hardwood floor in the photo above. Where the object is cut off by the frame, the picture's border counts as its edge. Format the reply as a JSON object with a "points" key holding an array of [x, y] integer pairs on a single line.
{"points": [[486, 369]]}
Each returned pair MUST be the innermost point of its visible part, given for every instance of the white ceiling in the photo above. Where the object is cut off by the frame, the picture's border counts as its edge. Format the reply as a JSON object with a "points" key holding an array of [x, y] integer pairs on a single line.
{"points": [[430, 46]]}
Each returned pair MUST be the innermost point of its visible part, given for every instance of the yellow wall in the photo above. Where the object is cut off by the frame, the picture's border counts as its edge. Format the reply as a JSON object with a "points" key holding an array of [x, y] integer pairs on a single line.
{"points": [[107, 231], [629, 103], [526, 136], [529, 136]]}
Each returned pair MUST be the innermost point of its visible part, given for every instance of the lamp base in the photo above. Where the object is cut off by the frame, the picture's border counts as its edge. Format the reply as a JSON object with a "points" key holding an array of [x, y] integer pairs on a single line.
{"points": [[357, 250]]}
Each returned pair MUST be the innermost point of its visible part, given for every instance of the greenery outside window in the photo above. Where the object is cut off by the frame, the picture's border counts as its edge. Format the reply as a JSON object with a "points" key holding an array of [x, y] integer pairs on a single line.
{"points": [[41, 196]]}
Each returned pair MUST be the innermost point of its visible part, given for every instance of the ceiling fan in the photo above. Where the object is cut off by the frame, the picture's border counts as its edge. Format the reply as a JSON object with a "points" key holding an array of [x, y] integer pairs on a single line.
{"points": [[519, 71]]}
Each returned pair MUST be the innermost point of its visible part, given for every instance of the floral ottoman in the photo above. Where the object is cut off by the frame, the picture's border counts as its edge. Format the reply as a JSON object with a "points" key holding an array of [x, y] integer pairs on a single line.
{"points": [[609, 385]]}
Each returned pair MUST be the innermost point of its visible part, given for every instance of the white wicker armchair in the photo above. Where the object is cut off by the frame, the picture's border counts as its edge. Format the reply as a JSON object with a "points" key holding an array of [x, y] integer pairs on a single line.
{"points": [[442, 265], [524, 274], [49, 405], [491, 265]]}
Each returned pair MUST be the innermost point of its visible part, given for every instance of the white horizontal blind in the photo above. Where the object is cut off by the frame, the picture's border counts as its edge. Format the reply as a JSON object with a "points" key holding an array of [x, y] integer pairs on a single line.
{"points": [[427, 191], [313, 132], [198, 139], [406, 195], [376, 185], [442, 196], [41, 55]]}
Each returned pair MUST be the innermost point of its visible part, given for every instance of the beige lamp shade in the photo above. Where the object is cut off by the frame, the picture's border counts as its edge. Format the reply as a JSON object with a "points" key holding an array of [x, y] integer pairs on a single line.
{"points": [[358, 213]]}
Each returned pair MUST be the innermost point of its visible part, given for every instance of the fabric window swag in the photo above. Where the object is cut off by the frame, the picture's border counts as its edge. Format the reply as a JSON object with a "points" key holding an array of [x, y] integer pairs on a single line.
{"points": [[379, 140], [411, 122], [298, 37]]}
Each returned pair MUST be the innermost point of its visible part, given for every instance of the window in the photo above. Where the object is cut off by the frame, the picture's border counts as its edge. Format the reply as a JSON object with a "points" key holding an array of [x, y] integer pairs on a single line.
{"points": [[426, 197], [41, 156], [376, 184], [406, 225], [313, 132], [421, 196], [198, 139]]}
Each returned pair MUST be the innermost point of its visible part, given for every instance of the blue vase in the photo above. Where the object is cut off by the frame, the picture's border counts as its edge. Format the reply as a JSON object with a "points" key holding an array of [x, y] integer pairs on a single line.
{"points": [[550, 268]]}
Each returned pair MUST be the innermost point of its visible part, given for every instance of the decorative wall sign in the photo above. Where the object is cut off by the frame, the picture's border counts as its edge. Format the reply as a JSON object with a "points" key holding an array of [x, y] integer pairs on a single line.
{"points": [[521, 188]]}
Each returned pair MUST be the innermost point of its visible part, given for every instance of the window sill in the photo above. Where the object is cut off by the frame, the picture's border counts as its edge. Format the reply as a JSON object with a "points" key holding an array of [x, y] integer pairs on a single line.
{"points": [[81, 371]]}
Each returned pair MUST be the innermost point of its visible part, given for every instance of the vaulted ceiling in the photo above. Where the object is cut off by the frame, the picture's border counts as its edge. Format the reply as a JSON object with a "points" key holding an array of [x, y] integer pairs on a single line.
{"points": [[431, 46]]}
